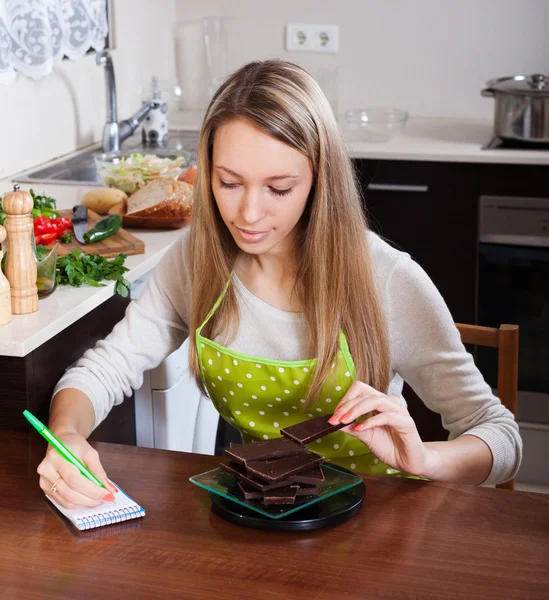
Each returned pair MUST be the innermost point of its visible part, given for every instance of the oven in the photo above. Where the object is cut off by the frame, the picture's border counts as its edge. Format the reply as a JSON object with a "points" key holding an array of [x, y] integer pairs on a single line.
{"points": [[513, 287]]}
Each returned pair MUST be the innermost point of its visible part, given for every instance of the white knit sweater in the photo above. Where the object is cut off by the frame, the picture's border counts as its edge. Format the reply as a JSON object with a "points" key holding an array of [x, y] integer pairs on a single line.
{"points": [[426, 350]]}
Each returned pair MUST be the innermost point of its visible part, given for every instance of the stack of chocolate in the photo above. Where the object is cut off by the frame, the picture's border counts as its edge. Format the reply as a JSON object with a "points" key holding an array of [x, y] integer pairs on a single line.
{"points": [[279, 470]]}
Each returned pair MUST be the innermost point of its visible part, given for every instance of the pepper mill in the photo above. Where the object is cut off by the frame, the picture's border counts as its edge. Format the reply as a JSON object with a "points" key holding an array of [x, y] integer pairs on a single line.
{"points": [[5, 299], [20, 262]]}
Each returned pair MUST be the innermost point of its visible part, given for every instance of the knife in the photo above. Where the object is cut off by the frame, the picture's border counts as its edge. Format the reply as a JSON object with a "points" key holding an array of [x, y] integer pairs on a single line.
{"points": [[80, 222]]}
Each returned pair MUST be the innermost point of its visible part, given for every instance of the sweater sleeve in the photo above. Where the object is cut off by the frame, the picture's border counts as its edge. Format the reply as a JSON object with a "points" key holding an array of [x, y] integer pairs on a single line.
{"points": [[153, 327], [428, 354]]}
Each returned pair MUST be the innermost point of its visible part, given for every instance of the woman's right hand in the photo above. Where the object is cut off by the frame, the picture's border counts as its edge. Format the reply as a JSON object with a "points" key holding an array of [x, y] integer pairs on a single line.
{"points": [[72, 488]]}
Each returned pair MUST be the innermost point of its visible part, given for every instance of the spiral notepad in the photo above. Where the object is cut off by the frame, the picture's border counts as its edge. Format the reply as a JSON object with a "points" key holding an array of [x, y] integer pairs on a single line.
{"points": [[105, 514]]}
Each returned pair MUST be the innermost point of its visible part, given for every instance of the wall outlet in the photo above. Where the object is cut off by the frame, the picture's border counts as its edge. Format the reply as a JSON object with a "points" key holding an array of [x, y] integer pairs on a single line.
{"points": [[302, 37]]}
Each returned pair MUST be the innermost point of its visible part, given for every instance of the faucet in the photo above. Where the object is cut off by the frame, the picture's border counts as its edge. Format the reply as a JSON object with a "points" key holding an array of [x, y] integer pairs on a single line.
{"points": [[114, 131]]}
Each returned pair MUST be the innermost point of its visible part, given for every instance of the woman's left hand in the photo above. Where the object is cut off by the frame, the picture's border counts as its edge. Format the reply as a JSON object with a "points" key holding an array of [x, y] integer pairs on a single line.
{"points": [[390, 432]]}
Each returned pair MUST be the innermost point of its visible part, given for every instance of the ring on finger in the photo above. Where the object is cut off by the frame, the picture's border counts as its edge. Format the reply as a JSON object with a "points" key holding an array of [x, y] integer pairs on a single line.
{"points": [[54, 486]]}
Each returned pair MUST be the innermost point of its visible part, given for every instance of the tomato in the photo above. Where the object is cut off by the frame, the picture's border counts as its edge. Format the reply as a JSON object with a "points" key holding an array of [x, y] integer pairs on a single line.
{"points": [[188, 175]]}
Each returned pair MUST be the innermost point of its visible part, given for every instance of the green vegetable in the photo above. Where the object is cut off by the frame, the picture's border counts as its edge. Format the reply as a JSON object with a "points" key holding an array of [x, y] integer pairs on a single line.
{"points": [[78, 268], [2, 217], [104, 228], [42, 251], [66, 237], [49, 213], [42, 202], [36, 212]]}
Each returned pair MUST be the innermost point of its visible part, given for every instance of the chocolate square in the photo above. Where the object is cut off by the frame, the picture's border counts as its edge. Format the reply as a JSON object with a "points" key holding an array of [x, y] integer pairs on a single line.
{"points": [[312, 476], [273, 471], [240, 471], [271, 449], [283, 495], [311, 430], [307, 490], [249, 492]]}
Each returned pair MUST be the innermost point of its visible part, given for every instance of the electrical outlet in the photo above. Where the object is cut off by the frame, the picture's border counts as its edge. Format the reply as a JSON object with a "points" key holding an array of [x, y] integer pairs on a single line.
{"points": [[302, 37]]}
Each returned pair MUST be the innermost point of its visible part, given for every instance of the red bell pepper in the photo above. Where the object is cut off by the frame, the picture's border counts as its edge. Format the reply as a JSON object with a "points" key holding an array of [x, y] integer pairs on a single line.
{"points": [[47, 238], [46, 230]]}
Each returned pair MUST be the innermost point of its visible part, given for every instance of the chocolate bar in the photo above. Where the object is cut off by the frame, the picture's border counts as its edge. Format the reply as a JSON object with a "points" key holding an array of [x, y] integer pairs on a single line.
{"points": [[240, 471], [311, 430], [307, 490], [277, 448], [283, 495], [273, 471], [249, 492], [312, 476]]}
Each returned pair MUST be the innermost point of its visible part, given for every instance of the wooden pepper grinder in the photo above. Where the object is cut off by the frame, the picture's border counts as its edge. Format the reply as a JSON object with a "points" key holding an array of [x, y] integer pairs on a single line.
{"points": [[20, 262], [5, 298]]}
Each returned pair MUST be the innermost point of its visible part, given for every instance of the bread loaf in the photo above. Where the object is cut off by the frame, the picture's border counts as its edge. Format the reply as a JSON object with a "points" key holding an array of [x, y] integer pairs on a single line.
{"points": [[161, 199]]}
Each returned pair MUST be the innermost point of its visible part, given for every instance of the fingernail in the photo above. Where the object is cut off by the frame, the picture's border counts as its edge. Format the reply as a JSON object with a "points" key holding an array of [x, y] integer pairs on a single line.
{"points": [[333, 420], [344, 417], [109, 485], [108, 497]]}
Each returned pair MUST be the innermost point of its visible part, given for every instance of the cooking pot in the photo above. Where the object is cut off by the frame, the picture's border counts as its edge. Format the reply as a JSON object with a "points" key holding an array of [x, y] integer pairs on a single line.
{"points": [[522, 107]]}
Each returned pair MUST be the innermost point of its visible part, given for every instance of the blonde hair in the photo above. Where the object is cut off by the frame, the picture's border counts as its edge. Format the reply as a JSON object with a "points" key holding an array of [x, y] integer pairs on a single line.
{"points": [[335, 281]]}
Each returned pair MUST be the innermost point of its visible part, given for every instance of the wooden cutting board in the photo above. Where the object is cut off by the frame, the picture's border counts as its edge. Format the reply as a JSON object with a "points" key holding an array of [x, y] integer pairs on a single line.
{"points": [[121, 242]]}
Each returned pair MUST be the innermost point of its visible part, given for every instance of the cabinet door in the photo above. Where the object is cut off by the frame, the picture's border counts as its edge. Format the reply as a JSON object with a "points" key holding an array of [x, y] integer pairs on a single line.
{"points": [[428, 210]]}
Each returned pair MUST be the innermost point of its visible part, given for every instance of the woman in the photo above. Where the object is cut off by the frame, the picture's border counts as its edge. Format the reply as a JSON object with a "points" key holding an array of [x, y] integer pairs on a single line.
{"points": [[293, 307]]}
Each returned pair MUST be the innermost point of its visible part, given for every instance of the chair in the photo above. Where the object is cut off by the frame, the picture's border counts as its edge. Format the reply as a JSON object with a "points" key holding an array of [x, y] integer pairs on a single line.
{"points": [[505, 339]]}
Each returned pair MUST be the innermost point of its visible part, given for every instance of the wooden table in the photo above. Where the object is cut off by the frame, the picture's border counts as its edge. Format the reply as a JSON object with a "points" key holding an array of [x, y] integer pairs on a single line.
{"points": [[410, 540]]}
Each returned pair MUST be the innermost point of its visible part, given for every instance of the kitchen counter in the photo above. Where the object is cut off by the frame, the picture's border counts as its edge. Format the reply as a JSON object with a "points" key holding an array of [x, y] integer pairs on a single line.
{"points": [[423, 138], [68, 304], [445, 140]]}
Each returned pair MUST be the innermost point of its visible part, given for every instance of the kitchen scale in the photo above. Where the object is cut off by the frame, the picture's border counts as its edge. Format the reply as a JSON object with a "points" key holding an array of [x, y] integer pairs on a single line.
{"points": [[340, 496]]}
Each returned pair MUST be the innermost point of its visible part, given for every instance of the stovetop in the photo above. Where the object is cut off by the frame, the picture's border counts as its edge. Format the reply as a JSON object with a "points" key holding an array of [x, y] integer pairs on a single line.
{"points": [[497, 143]]}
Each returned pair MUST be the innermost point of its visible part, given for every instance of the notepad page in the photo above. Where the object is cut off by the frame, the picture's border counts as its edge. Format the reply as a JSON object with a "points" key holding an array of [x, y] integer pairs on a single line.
{"points": [[105, 514]]}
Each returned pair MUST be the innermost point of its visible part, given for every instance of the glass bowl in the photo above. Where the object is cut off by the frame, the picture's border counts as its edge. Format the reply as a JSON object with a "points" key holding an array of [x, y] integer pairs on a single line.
{"points": [[375, 124], [129, 170]]}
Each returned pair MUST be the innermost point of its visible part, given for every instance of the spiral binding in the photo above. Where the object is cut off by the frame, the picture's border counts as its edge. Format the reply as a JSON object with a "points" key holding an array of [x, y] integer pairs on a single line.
{"points": [[109, 517]]}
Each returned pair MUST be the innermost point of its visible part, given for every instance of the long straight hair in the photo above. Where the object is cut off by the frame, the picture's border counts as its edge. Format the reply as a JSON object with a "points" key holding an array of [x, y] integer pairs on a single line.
{"points": [[335, 283]]}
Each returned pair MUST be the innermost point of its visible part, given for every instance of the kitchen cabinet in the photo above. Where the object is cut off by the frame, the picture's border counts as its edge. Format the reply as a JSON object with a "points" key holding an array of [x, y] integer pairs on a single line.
{"points": [[431, 211], [28, 382]]}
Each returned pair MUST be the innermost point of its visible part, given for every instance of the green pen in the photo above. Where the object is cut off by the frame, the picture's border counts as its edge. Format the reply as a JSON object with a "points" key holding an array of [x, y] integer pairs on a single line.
{"points": [[60, 447]]}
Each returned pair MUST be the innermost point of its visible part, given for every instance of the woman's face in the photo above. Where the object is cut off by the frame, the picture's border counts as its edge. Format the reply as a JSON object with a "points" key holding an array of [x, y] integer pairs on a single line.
{"points": [[261, 186]]}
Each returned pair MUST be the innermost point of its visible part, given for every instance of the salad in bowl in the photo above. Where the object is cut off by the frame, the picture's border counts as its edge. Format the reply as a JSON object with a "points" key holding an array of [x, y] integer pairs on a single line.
{"points": [[129, 170]]}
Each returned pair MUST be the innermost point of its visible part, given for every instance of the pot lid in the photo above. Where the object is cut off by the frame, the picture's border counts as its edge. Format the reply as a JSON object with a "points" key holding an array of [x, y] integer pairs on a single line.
{"points": [[526, 85]]}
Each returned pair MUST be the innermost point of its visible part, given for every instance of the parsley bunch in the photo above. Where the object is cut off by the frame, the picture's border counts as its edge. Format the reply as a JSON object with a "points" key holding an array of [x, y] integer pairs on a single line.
{"points": [[78, 268]]}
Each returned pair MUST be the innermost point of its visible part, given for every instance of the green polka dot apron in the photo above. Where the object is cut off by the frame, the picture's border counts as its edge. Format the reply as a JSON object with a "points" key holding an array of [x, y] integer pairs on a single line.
{"points": [[260, 396]]}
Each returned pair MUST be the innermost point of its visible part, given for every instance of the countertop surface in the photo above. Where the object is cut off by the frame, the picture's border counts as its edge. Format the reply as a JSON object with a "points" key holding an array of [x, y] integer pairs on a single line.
{"points": [[423, 138], [67, 304], [409, 540], [445, 140]]}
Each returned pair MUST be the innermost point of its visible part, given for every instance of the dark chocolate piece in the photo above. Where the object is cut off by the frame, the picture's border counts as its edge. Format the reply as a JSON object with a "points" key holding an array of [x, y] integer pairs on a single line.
{"points": [[249, 492], [269, 450], [312, 476], [281, 469], [240, 471], [307, 490], [283, 495], [311, 430]]}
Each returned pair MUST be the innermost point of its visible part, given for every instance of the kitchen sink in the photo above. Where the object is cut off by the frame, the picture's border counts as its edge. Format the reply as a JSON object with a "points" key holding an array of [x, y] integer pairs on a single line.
{"points": [[79, 167]]}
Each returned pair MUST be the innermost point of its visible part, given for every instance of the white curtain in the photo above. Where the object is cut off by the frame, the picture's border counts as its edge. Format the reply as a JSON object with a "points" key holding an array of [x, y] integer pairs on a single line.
{"points": [[33, 33]]}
